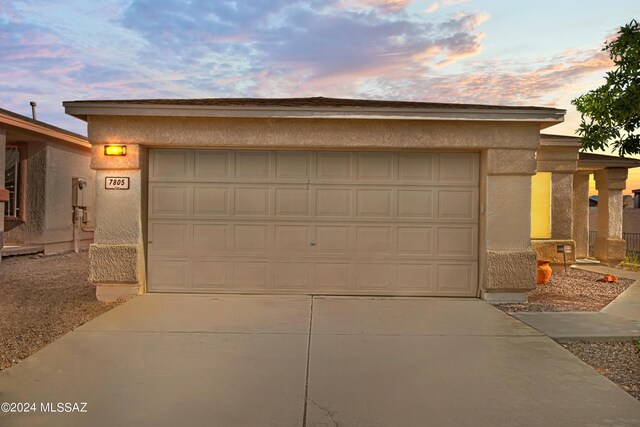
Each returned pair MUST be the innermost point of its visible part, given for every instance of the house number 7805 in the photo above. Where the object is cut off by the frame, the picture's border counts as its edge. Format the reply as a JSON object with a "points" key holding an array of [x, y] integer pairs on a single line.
{"points": [[116, 183]]}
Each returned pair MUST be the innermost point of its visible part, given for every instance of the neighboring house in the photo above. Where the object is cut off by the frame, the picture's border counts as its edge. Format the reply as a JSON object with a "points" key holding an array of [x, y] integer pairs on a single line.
{"points": [[560, 201], [43, 168], [313, 196]]}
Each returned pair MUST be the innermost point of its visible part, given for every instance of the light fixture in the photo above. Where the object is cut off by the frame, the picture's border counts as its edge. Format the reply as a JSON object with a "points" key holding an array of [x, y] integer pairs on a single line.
{"points": [[115, 150]]}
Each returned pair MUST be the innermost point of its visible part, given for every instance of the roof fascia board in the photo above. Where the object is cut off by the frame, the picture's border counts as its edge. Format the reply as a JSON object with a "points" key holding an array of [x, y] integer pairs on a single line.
{"points": [[42, 130], [559, 143], [628, 164], [82, 110]]}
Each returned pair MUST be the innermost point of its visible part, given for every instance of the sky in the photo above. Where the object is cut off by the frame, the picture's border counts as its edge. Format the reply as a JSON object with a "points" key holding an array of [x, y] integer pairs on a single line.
{"points": [[511, 52]]}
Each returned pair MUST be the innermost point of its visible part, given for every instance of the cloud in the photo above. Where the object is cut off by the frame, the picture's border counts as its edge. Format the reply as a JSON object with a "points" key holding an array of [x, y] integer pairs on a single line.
{"points": [[434, 6], [545, 80], [437, 5], [386, 5], [321, 41], [264, 48]]}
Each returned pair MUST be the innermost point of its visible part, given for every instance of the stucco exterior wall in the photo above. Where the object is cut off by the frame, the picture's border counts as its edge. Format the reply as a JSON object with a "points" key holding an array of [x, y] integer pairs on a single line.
{"points": [[312, 134], [510, 262], [561, 205], [507, 163], [118, 255], [50, 170], [33, 226], [3, 145], [581, 214]]}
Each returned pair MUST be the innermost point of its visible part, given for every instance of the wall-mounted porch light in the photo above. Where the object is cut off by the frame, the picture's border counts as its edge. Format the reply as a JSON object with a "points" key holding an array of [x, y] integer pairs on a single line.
{"points": [[115, 150]]}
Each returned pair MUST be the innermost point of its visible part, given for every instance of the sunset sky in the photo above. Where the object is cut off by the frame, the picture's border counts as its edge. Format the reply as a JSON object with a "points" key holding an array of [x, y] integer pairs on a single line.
{"points": [[475, 51]]}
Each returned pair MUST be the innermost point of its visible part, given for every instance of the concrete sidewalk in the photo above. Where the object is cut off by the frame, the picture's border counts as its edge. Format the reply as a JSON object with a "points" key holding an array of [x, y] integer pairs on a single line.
{"points": [[167, 360], [620, 320]]}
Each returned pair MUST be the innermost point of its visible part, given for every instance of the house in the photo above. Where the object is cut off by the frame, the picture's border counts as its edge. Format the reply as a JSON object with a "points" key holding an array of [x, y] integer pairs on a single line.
{"points": [[45, 174], [332, 196]]}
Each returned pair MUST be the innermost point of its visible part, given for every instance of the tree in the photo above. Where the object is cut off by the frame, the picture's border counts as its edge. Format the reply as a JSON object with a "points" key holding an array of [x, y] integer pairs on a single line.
{"points": [[611, 113]]}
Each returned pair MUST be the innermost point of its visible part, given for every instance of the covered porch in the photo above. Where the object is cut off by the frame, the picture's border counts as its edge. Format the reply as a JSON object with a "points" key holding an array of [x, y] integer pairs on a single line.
{"points": [[610, 174], [560, 202]]}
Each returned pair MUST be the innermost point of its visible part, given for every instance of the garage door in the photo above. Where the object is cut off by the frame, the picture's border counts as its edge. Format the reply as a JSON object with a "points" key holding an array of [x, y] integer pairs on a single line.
{"points": [[355, 223]]}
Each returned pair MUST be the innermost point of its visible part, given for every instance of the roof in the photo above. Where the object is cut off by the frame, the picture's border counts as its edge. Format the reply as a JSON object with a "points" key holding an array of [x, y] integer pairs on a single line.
{"points": [[314, 107], [317, 101], [592, 161], [550, 137], [25, 127]]}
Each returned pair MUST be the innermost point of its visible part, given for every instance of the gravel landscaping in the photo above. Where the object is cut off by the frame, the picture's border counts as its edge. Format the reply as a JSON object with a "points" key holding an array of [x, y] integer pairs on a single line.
{"points": [[41, 299], [618, 361], [575, 290]]}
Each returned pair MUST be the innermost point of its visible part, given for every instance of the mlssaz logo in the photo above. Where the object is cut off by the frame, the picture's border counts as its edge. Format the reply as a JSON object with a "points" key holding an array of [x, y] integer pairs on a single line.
{"points": [[66, 407]]}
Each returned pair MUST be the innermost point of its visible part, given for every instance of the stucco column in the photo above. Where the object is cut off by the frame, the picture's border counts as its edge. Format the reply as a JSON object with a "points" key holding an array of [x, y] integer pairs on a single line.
{"points": [[561, 205], [117, 261], [581, 214], [610, 248], [3, 192], [510, 265]]}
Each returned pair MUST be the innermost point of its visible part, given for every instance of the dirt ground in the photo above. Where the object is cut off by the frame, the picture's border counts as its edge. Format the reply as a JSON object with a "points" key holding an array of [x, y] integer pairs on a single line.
{"points": [[575, 290], [42, 298]]}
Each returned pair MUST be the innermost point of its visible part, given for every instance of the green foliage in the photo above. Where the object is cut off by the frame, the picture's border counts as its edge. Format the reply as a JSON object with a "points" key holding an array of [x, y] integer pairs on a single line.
{"points": [[611, 113], [631, 258], [636, 342]]}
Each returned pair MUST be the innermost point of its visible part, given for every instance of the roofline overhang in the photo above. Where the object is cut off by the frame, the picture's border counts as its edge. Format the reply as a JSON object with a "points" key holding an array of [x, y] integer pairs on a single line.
{"points": [[587, 165], [37, 129], [546, 117]]}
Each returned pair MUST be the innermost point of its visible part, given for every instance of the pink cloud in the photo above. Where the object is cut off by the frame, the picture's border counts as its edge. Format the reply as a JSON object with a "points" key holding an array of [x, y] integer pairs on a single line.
{"points": [[437, 5], [500, 82], [434, 6], [386, 5]]}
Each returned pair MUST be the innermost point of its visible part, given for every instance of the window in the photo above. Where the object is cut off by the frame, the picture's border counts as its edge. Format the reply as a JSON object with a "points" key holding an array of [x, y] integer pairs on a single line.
{"points": [[13, 183], [541, 205]]}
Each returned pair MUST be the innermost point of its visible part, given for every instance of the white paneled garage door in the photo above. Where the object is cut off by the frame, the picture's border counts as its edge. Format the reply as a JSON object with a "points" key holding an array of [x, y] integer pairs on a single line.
{"points": [[356, 223]]}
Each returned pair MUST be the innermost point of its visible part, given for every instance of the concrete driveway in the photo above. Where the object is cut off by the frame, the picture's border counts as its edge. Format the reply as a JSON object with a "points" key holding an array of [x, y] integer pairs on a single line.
{"points": [[188, 360]]}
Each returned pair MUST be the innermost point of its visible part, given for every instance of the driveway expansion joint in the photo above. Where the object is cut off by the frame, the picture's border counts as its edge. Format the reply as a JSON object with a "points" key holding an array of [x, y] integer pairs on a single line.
{"points": [[306, 380]]}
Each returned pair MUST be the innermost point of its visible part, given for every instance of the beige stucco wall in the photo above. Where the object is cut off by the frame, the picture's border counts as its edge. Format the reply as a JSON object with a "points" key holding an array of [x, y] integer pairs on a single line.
{"points": [[561, 205], [557, 158], [3, 140], [118, 254], [510, 262], [33, 227], [312, 134], [610, 248], [507, 163], [581, 214], [50, 170]]}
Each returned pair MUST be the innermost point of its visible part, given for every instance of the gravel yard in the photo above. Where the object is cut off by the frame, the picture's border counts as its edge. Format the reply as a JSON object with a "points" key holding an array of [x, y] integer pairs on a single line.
{"points": [[575, 290], [618, 361], [42, 298]]}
